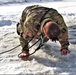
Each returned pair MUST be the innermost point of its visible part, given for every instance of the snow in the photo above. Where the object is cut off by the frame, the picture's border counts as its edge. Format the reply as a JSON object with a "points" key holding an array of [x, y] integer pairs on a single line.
{"points": [[46, 60]]}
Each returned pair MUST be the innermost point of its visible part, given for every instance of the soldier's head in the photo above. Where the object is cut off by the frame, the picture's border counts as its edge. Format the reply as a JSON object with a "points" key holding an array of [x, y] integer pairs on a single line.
{"points": [[51, 30]]}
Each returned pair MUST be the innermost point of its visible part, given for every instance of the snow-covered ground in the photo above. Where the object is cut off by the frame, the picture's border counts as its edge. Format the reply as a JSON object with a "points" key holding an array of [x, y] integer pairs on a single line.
{"points": [[48, 59]]}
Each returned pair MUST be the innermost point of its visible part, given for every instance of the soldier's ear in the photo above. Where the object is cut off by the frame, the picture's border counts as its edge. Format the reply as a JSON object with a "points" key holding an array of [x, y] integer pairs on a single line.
{"points": [[44, 30]]}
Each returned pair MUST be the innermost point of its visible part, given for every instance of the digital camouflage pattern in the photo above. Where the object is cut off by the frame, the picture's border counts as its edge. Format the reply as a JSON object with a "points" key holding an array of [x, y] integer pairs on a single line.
{"points": [[30, 19]]}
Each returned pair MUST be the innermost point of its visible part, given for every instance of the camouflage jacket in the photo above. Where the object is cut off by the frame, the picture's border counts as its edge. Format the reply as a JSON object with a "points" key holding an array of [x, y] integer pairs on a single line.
{"points": [[32, 20], [31, 17]]}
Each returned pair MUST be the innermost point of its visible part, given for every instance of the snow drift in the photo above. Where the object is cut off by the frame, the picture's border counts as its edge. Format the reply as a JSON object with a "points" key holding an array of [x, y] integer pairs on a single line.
{"points": [[46, 60]]}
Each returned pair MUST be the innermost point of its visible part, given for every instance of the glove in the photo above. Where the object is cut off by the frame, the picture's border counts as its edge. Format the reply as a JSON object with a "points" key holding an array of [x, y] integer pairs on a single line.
{"points": [[64, 51]]}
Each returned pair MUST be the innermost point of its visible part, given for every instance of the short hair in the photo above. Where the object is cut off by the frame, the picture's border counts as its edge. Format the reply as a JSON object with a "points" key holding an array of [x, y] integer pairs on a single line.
{"points": [[54, 31]]}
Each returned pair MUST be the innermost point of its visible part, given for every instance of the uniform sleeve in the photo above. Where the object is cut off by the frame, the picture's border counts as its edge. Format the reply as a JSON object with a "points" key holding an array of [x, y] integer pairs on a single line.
{"points": [[63, 37], [23, 42]]}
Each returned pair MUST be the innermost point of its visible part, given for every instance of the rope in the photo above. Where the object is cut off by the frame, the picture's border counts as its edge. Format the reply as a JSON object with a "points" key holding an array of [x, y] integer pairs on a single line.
{"points": [[35, 43], [37, 49], [10, 49], [18, 46], [13, 48]]}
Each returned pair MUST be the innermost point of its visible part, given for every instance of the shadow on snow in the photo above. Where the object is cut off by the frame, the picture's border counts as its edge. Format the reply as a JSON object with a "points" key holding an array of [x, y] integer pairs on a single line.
{"points": [[5, 23], [72, 34]]}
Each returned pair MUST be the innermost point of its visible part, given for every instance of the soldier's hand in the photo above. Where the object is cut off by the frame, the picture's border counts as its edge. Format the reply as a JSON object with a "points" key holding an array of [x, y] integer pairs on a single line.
{"points": [[23, 56], [65, 51]]}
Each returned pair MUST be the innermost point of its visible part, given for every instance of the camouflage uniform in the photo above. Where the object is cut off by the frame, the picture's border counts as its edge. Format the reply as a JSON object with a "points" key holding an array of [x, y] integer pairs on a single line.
{"points": [[31, 17]]}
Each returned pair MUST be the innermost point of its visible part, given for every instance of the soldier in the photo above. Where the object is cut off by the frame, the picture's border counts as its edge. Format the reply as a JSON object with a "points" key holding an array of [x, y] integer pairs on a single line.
{"points": [[37, 21]]}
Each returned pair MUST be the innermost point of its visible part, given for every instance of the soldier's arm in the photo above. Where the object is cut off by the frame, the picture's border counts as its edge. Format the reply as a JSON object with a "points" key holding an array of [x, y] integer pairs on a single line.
{"points": [[63, 38], [24, 44]]}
